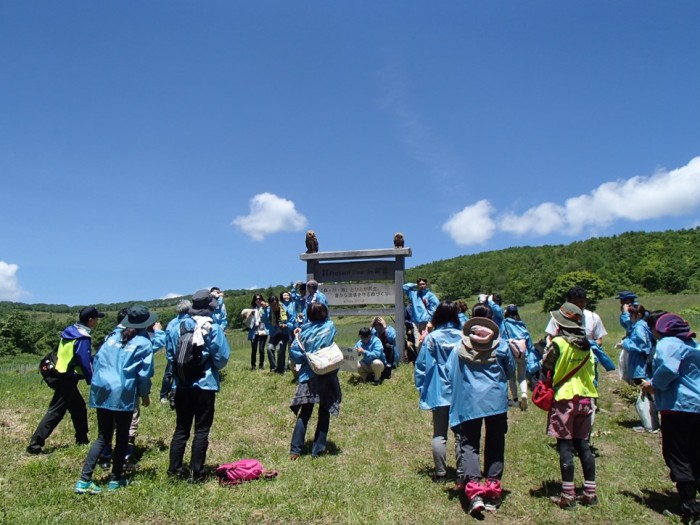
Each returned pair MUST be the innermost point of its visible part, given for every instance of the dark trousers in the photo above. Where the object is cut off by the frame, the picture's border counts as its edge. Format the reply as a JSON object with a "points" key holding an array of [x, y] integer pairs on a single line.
{"points": [[66, 398], [258, 345], [107, 422], [679, 445], [469, 435], [192, 405], [280, 340], [167, 382], [566, 449], [320, 437]]}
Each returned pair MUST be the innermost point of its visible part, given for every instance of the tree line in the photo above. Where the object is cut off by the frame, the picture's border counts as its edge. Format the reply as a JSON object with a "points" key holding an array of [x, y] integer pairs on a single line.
{"points": [[653, 262]]}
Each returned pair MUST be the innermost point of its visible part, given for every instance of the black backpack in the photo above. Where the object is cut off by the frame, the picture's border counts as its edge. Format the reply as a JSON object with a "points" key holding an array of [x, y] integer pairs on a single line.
{"points": [[188, 364], [47, 369]]}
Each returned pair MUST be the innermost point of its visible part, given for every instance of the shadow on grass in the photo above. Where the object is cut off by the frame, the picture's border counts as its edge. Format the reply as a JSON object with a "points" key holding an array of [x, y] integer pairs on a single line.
{"points": [[660, 502], [549, 488], [331, 448]]}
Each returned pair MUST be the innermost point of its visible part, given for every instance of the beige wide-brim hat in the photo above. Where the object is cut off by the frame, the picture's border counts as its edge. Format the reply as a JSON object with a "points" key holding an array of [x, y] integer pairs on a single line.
{"points": [[480, 334]]}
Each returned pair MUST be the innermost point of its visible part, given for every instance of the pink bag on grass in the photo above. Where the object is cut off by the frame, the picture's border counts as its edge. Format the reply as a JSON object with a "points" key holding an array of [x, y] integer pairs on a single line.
{"points": [[242, 470]]}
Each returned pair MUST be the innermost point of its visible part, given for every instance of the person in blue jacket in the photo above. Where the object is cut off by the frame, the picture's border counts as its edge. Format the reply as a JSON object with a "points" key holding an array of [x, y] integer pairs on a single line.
{"points": [[626, 298], [422, 301], [495, 302], [371, 359], [123, 368], [638, 344], [675, 382], [432, 383], [219, 316], [195, 400], [520, 343], [387, 335], [73, 364], [463, 313], [478, 373], [322, 390]]}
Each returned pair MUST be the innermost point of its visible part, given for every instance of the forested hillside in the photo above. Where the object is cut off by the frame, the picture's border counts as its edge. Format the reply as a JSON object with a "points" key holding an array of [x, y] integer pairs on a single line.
{"points": [[658, 262]]}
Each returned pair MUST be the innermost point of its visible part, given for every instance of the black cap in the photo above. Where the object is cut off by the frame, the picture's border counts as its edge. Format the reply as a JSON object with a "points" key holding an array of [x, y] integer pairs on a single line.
{"points": [[89, 312]]}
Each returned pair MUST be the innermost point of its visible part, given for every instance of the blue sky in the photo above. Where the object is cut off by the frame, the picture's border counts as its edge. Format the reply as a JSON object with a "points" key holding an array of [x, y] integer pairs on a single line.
{"points": [[154, 148]]}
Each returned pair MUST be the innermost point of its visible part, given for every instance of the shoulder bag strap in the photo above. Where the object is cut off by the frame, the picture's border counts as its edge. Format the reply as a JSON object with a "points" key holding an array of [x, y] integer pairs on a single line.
{"points": [[573, 372]]}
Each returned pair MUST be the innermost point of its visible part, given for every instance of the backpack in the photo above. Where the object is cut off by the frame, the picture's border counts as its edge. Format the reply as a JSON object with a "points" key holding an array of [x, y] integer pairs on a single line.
{"points": [[242, 470], [188, 356], [47, 369]]}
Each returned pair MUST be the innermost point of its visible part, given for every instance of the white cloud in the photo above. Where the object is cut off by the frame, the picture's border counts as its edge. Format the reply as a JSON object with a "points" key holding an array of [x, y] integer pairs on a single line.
{"points": [[10, 290], [542, 220], [270, 214], [472, 225], [665, 193], [172, 295]]}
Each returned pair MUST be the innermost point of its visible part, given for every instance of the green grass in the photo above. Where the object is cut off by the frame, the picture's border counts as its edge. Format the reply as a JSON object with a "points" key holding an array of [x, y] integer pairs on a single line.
{"points": [[378, 472]]}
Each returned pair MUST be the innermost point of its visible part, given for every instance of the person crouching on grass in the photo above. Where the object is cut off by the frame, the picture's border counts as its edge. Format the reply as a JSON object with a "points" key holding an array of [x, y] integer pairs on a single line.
{"points": [[478, 371], [569, 359], [122, 371]]}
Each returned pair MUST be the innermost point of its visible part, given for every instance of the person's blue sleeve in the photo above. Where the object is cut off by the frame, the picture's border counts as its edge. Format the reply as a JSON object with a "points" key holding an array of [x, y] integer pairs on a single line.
{"points": [[219, 349], [82, 351], [158, 340], [603, 358], [667, 363]]}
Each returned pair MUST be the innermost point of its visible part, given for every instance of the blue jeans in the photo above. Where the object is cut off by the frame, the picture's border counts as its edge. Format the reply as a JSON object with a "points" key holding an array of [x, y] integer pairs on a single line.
{"points": [[299, 434], [107, 422]]}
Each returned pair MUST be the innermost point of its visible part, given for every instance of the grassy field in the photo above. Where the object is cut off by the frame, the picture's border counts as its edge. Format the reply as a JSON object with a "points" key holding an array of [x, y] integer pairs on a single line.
{"points": [[378, 470]]}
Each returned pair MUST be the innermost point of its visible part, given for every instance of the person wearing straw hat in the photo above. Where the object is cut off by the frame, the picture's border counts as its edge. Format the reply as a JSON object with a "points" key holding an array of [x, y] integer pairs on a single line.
{"points": [[569, 360], [478, 372], [123, 368], [675, 381]]}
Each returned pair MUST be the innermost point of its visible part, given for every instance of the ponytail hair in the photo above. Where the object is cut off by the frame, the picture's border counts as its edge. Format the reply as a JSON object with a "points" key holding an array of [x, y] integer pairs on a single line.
{"points": [[128, 334]]}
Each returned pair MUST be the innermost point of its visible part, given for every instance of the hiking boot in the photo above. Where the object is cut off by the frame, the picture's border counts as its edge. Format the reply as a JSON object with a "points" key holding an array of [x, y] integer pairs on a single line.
{"points": [[492, 495], [588, 499], [476, 506], [564, 501], [34, 451], [87, 487]]}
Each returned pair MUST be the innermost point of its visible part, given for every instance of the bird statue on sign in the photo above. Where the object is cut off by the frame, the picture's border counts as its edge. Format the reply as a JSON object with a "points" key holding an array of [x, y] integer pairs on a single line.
{"points": [[398, 240], [311, 242]]}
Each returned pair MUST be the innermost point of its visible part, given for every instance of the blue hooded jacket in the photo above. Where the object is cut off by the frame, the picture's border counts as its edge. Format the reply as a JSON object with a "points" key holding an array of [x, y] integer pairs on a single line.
{"points": [[638, 344], [676, 377], [479, 389], [313, 336], [374, 349], [215, 356], [429, 373], [420, 311], [122, 372], [515, 329]]}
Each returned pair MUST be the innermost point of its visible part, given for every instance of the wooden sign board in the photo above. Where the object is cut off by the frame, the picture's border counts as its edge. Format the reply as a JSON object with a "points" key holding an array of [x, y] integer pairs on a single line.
{"points": [[365, 293], [355, 271]]}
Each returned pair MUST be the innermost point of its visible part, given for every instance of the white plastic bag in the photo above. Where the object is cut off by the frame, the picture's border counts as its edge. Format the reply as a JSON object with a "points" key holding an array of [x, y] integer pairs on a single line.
{"points": [[646, 409], [623, 366]]}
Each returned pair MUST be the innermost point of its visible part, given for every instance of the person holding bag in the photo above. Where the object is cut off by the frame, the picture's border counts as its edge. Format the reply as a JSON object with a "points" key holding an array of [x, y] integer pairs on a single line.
{"points": [[568, 359], [323, 390]]}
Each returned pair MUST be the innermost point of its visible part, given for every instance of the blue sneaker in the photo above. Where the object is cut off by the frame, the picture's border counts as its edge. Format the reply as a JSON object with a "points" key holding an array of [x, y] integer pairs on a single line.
{"points": [[87, 487], [117, 484]]}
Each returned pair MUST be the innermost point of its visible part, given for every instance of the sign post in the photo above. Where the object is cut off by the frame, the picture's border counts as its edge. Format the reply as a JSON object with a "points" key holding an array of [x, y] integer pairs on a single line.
{"points": [[349, 278]]}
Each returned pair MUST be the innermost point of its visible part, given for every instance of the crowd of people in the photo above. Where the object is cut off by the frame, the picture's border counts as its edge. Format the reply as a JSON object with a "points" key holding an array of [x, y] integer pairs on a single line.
{"points": [[470, 367]]}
